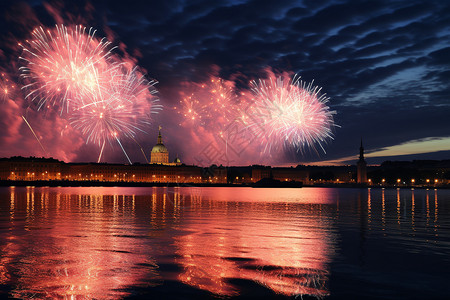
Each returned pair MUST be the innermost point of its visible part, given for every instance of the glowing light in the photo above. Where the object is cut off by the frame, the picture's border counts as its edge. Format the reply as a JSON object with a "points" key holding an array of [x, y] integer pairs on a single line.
{"points": [[7, 87], [123, 111], [70, 69], [212, 106], [64, 65], [290, 113]]}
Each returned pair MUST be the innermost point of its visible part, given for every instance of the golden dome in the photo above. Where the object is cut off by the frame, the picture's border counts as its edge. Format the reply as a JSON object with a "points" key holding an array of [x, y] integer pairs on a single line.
{"points": [[159, 148]]}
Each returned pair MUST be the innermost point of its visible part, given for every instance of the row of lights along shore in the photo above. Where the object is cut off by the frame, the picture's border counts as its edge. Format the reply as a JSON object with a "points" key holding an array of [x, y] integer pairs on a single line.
{"points": [[400, 182]]}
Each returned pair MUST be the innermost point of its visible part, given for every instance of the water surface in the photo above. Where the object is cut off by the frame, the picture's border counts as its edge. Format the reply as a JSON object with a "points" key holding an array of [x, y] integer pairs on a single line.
{"points": [[189, 242]]}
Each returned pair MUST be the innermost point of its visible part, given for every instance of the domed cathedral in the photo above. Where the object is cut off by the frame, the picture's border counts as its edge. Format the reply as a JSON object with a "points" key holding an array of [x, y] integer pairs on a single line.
{"points": [[160, 154]]}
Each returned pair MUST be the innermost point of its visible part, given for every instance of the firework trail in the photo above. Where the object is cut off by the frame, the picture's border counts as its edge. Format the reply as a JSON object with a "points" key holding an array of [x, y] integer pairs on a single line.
{"points": [[290, 113], [120, 144], [32, 131], [64, 65], [142, 150]]}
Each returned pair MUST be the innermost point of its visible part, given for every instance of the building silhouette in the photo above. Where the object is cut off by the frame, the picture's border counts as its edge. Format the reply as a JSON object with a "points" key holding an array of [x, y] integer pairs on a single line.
{"points": [[361, 166]]}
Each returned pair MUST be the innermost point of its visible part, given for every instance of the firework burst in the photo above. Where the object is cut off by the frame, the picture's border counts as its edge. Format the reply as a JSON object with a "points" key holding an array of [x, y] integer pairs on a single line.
{"points": [[212, 105], [64, 64], [290, 113], [103, 96], [123, 110], [7, 87]]}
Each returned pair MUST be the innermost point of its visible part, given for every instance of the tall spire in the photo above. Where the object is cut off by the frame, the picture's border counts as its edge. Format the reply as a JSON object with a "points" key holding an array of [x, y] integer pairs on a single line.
{"points": [[159, 136], [361, 171], [361, 151]]}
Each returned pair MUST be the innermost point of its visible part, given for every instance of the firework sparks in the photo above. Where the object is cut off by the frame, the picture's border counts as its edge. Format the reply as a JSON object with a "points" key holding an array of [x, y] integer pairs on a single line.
{"points": [[124, 110], [63, 63], [290, 113], [71, 70], [212, 105], [34, 134], [7, 87]]}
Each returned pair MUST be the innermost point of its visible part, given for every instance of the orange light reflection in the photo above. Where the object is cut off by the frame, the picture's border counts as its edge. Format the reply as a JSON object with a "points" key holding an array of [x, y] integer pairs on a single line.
{"points": [[84, 247], [282, 246]]}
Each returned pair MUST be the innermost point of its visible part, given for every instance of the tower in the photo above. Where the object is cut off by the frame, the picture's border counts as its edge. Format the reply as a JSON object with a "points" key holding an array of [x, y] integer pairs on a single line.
{"points": [[159, 154], [361, 166]]}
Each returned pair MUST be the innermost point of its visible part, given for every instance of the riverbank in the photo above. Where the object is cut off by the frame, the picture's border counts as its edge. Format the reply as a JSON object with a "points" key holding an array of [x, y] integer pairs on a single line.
{"points": [[66, 183]]}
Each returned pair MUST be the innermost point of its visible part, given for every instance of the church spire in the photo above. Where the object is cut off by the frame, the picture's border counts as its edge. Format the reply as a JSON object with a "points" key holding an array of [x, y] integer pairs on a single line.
{"points": [[361, 151], [159, 136], [361, 167]]}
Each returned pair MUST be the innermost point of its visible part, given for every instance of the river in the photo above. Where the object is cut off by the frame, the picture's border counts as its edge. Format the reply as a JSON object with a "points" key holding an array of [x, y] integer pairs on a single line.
{"points": [[216, 242]]}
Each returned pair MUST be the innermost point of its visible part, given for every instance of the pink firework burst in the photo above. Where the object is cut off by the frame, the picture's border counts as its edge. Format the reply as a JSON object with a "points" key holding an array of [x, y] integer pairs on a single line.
{"points": [[212, 105], [123, 109], [103, 95], [290, 113], [64, 64], [7, 87]]}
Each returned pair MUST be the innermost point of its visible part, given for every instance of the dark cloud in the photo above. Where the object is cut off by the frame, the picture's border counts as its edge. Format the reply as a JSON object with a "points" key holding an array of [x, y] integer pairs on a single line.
{"points": [[337, 15], [440, 57]]}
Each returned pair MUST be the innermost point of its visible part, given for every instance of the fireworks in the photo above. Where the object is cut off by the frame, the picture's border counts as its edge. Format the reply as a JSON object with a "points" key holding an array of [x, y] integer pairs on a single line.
{"points": [[71, 70], [123, 109], [63, 65], [7, 87], [290, 113], [282, 114], [212, 105], [108, 99]]}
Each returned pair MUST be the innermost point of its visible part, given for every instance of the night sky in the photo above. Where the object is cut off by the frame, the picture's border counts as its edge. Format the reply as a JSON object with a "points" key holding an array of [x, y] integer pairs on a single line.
{"points": [[385, 65]]}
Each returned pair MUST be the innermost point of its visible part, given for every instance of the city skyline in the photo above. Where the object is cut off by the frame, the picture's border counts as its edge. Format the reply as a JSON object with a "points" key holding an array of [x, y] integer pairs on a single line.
{"points": [[382, 64]]}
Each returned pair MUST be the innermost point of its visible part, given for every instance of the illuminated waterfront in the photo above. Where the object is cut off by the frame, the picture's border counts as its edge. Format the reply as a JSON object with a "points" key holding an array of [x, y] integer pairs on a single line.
{"points": [[210, 242]]}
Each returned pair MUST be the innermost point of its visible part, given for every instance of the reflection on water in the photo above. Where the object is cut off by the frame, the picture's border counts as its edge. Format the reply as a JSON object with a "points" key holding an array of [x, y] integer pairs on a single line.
{"points": [[283, 246], [406, 210], [71, 245], [107, 242]]}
